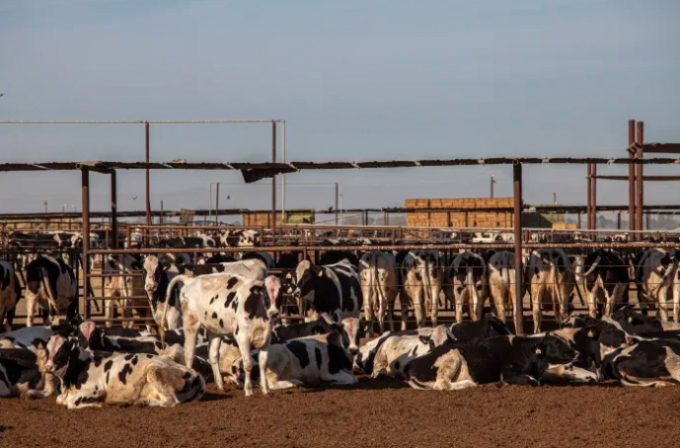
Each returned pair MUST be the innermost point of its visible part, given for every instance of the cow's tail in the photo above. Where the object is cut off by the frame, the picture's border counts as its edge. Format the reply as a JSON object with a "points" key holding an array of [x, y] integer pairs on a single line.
{"points": [[50, 294], [428, 290], [595, 265], [378, 287], [168, 294]]}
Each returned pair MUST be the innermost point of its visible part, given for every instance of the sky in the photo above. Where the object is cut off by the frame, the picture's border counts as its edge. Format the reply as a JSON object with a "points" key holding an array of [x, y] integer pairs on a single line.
{"points": [[354, 80]]}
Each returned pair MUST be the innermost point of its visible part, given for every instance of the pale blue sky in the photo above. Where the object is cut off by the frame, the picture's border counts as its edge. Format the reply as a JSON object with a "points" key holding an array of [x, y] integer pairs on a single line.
{"points": [[355, 80]]}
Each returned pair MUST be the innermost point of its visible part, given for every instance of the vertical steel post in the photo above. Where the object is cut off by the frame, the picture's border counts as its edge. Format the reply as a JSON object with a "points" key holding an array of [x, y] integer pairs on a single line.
{"points": [[639, 189], [337, 212], [517, 209], [594, 201], [589, 198], [273, 177], [217, 203], [648, 221], [579, 219], [631, 176], [114, 212], [618, 221], [85, 183], [160, 222], [148, 199]]}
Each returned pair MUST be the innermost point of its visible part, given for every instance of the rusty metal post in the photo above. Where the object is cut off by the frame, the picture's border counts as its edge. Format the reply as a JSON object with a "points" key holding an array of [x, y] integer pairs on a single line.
{"points": [[217, 203], [648, 221], [148, 199], [631, 176], [589, 198], [593, 204], [579, 219], [114, 211], [85, 178], [273, 177], [517, 209], [337, 202], [639, 188]]}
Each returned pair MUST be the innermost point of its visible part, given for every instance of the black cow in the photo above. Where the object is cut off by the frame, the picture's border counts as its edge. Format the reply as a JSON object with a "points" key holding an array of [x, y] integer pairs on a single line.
{"points": [[18, 371], [636, 323], [336, 256], [511, 359], [486, 328], [651, 363]]}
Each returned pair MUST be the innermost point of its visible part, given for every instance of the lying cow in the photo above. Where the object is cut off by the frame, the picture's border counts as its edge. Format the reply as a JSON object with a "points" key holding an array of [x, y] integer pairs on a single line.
{"points": [[10, 292], [650, 363], [92, 379], [18, 371], [397, 350], [510, 359], [51, 284]]}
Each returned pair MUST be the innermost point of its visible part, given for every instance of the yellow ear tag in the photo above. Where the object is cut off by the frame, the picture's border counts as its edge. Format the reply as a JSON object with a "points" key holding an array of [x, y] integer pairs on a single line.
{"points": [[591, 334], [538, 351], [320, 274]]}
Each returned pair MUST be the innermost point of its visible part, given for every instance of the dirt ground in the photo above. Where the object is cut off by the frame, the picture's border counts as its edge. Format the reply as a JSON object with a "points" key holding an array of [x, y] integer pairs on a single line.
{"points": [[371, 413]]}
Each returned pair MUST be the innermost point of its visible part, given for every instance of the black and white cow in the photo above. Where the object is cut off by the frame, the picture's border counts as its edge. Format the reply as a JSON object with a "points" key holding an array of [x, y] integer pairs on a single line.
{"points": [[550, 278], [162, 300], [606, 280], [240, 238], [51, 284], [648, 363], [421, 280], [658, 280], [19, 371], [486, 328], [510, 359], [501, 270], [468, 275], [305, 362], [379, 286], [332, 292], [10, 292], [90, 379], [282, 333], [228, 305]]}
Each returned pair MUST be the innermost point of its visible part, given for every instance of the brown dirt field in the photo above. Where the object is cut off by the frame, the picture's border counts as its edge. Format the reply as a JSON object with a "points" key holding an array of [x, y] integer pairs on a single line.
{"points": [[372, 413]]}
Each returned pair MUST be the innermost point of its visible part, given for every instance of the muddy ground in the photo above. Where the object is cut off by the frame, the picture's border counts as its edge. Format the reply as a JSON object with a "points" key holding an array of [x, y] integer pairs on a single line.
{"points": [[371, 413]]}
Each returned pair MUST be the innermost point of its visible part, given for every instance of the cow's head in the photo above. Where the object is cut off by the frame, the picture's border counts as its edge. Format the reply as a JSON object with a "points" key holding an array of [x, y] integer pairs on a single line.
{"points": [[353, 332], [439, 336], [274, 297], [634, 323], [305, 278], [61, 349], [152, 271], [552, 350]]}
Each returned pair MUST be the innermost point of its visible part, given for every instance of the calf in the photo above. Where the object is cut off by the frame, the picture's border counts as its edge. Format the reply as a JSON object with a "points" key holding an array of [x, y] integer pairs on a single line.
{"points": [[379, 286], [606, 279], [51, 284], [510, 359], [10, 292], [333, 292], [90, 379], [656, 277], [163, 301], [468, 272], [228, 305], [421, 280], [550, 278], [501, 268]]}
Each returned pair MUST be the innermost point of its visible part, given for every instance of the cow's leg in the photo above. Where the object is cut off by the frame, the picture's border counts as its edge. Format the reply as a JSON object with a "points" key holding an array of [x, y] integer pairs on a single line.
{"points": [[476, 305], [163, 393], [499, 297], [403, 309], [262, 358], [418, 307], [460, 299], [244, 348], [390, 311], [536, 304], [382, 303], [278, 385], [341, 377], [592, 298], [368, 309], [191, 327], [663, 303], [435, 309], [30, 307], [214, 359], [676, 301], [609, 299]]}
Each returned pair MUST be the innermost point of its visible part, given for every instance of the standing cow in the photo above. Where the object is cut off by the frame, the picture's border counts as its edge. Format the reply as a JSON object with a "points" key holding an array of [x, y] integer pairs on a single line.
{"points": [[502, 283], [10, 292], [379, 286], [421, 280], [606, 279], [51, 284], [550, 278], [657, 280], [468, 272]]}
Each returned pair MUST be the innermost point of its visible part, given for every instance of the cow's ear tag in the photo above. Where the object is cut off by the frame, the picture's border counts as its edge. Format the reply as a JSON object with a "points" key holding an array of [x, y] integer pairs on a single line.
{"points": [[630, 319], [537, 351], [591, 334], [320, 274], [289, 276]]}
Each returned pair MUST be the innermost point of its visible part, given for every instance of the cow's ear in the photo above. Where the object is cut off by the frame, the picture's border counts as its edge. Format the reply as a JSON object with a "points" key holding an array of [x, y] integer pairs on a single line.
{"points": [[424, 339], [319, 272]]}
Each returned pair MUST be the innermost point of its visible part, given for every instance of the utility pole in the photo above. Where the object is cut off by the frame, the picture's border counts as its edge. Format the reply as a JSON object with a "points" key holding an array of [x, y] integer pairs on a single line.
{"points": [[337, 215], [45, 206], [493, 181]]}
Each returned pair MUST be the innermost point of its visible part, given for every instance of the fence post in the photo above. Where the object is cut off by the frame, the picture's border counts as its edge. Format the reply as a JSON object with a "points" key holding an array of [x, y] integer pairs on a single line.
{"points": [[85, 178], [517, 203], [639, 190], [631, 176]]}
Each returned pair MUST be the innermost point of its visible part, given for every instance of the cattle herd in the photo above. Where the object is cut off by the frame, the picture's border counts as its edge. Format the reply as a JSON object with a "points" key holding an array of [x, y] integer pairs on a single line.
{"points": [[223, 319]]}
